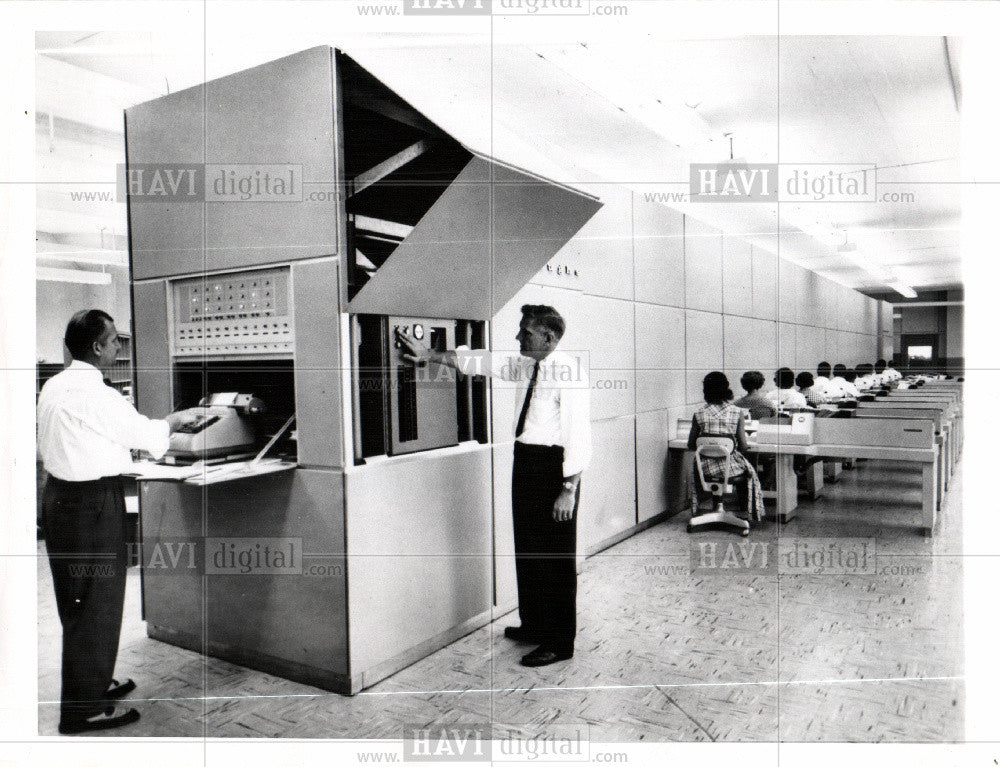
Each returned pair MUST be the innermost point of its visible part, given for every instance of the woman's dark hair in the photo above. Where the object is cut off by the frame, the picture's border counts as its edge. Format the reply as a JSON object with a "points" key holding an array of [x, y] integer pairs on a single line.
{"points": [[864, 369], [716, 388], [804, 380], [751, 381], [785, 378], [823, 369], [839, 370], [84, 328], [880, 366], [850, 376]]}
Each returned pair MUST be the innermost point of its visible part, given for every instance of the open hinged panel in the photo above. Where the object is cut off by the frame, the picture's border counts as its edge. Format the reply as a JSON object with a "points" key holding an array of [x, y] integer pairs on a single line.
{"points": [[435, 229]]}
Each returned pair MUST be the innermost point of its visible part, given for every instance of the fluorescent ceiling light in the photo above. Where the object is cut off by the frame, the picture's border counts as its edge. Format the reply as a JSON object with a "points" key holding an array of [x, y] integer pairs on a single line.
{"points": [[903, 289], [47, 274], [103, 257]]}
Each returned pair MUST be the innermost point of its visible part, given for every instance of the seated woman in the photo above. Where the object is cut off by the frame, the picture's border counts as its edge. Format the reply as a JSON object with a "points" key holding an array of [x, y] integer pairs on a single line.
{"points": [[850, 390], [721, 418], [758, 405], [808, 388], [786, 396]]}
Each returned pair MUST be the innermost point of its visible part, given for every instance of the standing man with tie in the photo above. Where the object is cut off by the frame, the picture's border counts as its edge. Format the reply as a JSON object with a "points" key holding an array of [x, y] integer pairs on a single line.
{"points": [[552, 447], [85, 432]]}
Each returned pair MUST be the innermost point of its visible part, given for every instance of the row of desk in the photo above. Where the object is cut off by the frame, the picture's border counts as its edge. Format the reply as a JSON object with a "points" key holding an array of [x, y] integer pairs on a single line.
{"points": [[920, 426]]}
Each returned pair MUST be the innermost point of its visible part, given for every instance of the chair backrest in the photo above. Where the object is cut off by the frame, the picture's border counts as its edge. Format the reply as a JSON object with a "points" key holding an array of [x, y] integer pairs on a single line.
{"points": [[714, 447]]}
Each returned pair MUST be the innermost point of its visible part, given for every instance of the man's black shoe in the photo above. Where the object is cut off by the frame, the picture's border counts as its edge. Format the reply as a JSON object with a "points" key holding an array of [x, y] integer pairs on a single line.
{"points": [[119, 689], [106, 720], [521, 634], [543, 656]]}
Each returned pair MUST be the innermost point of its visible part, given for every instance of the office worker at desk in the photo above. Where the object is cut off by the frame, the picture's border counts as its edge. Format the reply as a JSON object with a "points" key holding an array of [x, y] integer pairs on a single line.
{"points": [[822, 379], [759, 406], [865, 377], [85, 432], [808, 388], [552, 447], [850, 386], [720, 417], [839, 387], [786, 396], [889, 375]]}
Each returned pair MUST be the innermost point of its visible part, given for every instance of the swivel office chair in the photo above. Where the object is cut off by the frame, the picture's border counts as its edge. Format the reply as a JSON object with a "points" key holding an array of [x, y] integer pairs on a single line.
{"points": [[715, 447]]}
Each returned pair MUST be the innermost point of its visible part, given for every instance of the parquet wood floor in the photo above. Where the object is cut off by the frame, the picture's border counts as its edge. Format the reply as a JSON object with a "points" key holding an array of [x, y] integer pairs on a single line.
{"points": [[663, 653]]}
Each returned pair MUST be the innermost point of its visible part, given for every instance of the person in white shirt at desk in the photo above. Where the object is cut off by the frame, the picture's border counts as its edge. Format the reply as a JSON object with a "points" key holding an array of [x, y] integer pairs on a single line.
{"points": [[822, 379], [883, 373], [815, 395], [721, 418], [837, 385], [851, 391], [786, 396], [85, 432], [892, 375], [865, 379]]}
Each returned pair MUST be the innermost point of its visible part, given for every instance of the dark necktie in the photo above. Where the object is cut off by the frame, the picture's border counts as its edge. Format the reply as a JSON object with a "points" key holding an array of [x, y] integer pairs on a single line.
{"points": [[527, 402]]}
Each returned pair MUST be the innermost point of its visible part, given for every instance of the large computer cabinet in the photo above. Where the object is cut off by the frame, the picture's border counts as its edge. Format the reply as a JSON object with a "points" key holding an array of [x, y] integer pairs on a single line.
{"points": [[295, 298]]}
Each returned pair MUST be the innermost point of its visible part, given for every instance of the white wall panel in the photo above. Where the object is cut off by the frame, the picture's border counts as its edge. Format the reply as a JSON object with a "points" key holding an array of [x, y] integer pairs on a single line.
{"points": [[659, 356], [750, 344], [607, 495], [651, 463], [737, 277], [600, 253], [791, 279], [765, 284], [810, 308], [659, 254], [786, 345], [704, 350], [846, 307], [609, 337], [810, 348], [702, 266], [828, 308]]}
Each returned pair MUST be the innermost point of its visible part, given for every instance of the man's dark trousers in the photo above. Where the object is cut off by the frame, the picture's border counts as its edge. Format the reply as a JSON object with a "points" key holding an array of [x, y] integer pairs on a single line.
{"points": [[544, 550], [84, 525]]}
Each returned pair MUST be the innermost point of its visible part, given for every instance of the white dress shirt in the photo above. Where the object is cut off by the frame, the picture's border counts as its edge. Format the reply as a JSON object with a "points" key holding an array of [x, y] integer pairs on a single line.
{"points": [[559, 412], [815, 394], [785, 398], [86, 428], [844, 387], [822, 384]]}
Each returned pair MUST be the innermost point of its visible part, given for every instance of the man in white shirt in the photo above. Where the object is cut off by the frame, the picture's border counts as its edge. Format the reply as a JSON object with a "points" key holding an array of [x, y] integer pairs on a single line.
{"points": [[849, 387], [552, 447], [864, 376], [885, 375], [786, 396], [838, 384], [891, 374], [822, 380], [85, 432]]}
